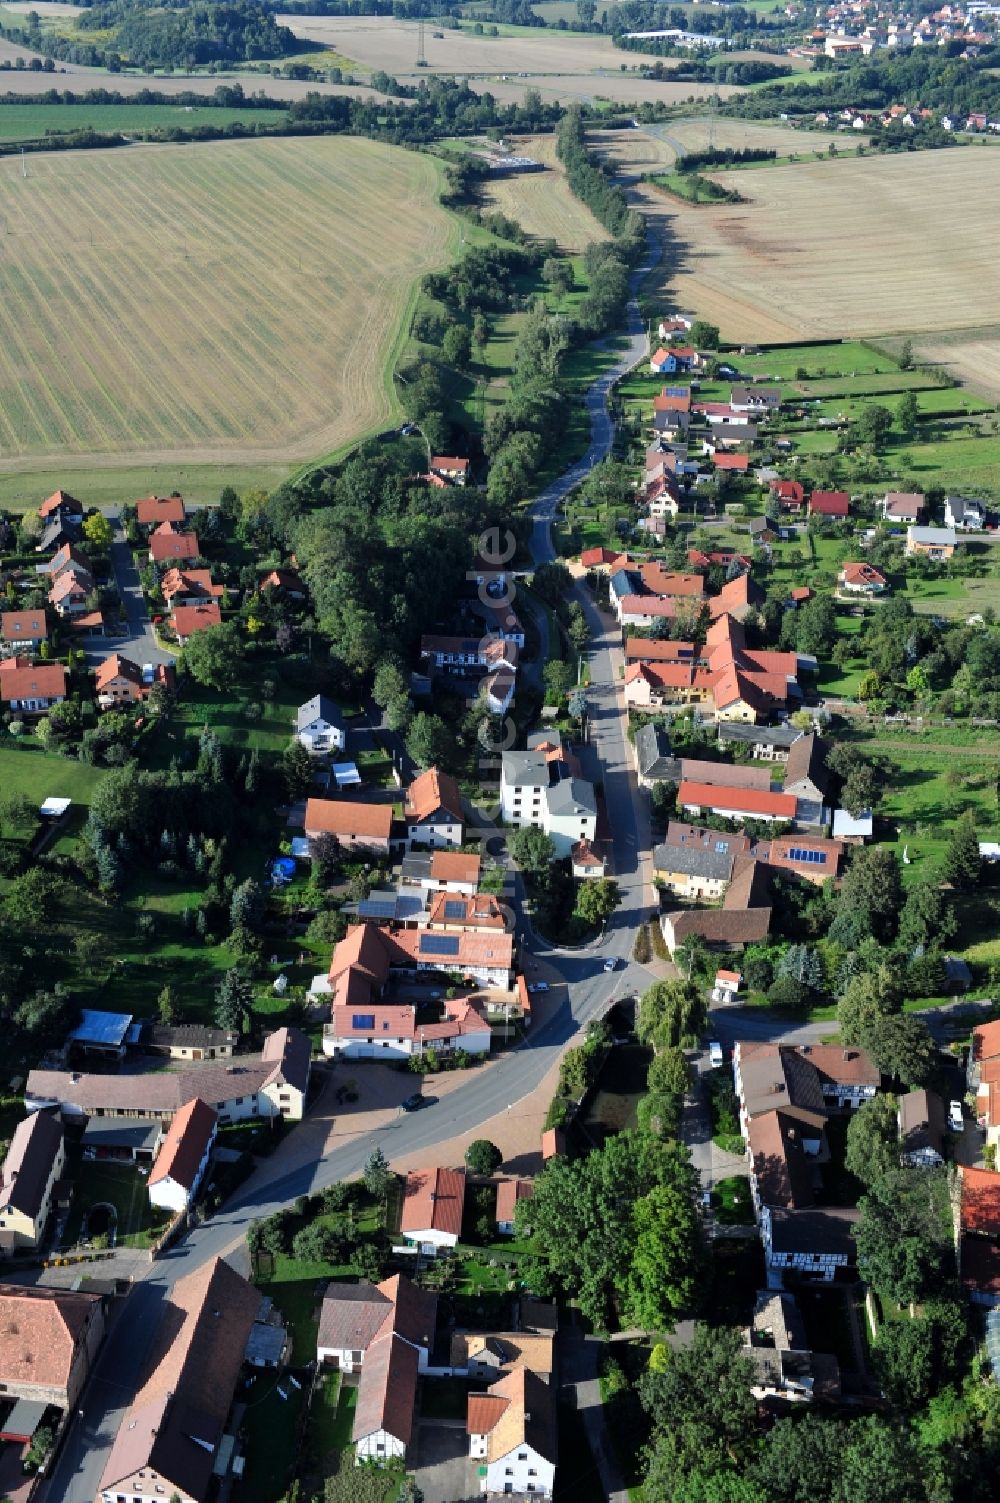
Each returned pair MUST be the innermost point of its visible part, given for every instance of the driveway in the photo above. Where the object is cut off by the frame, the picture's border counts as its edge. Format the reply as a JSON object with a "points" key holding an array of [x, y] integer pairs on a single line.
{"points": [[442, 1467]]}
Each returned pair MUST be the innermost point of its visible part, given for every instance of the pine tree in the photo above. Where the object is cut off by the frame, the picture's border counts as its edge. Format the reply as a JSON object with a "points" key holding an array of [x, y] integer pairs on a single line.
{"points": [[376, 1173], [962, 861], [233, 998]]}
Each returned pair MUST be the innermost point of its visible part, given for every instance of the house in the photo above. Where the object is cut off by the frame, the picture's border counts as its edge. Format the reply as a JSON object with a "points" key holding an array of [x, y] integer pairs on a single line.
{"points": [[188, 1041], [488, 1355], [24, 627], [69, 590], [450, 467], [35, 1160], [319, 725], [189, 587], [540, 787], [726, 987], [168, 542], [978, 1229], [354, 1316], [806, 776], [785, 1371], [654, 760], [903, 506], [744, 918], [765, 743], [789, 494], [763, 530], [921, 1128], [50, 1341], [271, 1084], [61, 507], [433, 810], [862, 579], [738, 463], [936, 543], [679, 834], [853, 829], [811, 857], [285, 583], [180, 1165], [57, 534], [442, 871], [758, 401], [172, 1433], [118, 681], [31, 689], [736, 803], [655, 684], [471, 654], [834, 505], [355, 824], [512, 1431], [510, 1192], [813, 1244], [188, 619], [694, 871], [152, 511], [964, 513], [433, 1202], [370, 1029], [668, 362]]}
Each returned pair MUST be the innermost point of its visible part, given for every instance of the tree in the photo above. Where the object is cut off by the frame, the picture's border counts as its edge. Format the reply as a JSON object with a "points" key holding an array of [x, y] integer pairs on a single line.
{"points": [[906, 413], [596, 901], [669, 1072], [880, 1461], [531, 848], [872, 887], [577, 704], [98, 531], [906, 355], [901, 1046], [701, 1408], [904, 1236], [166, 1006], [704, 336], [801, 1460], [962, 862], [671, 1014], [691, 955], [803, 965], [298, 770], [861, 790], [212, 657], [456, 347], [928, 918], [429, 741], [376, 1173], [868, 996], [871, 426], [482, 1157], [233, 1000], [247, 906], [873, 1139], [559, 678]]}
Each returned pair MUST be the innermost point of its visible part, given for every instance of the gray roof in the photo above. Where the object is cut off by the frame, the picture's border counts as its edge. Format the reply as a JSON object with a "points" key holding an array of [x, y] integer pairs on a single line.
{"points": [[320, 707], [921, 1121], [188, 1036], [625, 582], [814, 1231], [756, 735], [846, 825], [776, 1315], [934, 537], [28, 1165], [573, 796], [717, 866], [416, 868], [551, 737], [105, 1030], [116, 1132], [525, 767], [652, 749], [807, 763], [762, 524], [959, 505]]}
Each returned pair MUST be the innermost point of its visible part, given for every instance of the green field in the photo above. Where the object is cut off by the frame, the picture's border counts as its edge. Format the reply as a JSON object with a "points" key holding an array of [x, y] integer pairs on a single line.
{"points": [[31, 122], [848, 358], [199, 484]]}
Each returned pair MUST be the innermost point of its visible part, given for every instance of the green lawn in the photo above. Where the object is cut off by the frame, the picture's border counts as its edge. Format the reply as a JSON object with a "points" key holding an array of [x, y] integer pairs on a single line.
{"points": [[272, 1444], [199, 484], [26, 769], [122, 1186], [838, 358], [731, 1203], [26, 122]]}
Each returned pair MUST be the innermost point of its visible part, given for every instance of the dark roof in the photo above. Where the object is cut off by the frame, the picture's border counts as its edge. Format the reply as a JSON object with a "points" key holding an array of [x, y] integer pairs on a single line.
{"points": [[783, 1171], [722, 926], [320, 707], [122, 1132], [807, 759], [387, 1390], [289, 1051], [921, 1121], [757, 735], [750, 887], [775, 1075], [187, 1036], [27, 1168], [653, 754], [694, 861], [829, 1230]]}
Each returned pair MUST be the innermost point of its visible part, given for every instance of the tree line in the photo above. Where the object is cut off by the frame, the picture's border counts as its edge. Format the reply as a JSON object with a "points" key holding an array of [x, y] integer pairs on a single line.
{"points": [[934, 78]]}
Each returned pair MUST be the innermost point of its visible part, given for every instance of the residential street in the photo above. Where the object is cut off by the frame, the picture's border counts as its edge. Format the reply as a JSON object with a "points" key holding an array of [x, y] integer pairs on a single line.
{"points": [[139, 644]]}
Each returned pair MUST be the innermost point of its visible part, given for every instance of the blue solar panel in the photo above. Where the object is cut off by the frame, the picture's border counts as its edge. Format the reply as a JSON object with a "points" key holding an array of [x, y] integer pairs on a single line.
{"points": [[454, 909], [799, 853], [363, 1020], [439, 944], [377, 908]]}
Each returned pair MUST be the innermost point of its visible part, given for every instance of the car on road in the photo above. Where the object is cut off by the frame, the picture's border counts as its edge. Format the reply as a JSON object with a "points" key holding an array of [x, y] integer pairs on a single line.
{"points": [[715, 1053], [415, 1102], [538, 986], [955, 1119], [611, 964]]}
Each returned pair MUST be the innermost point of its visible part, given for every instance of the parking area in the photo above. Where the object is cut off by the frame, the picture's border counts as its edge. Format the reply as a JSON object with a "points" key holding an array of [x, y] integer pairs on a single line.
{"points": [[443, 1469]]}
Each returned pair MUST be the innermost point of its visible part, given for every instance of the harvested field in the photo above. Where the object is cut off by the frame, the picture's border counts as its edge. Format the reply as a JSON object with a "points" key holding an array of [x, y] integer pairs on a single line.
{"points": [[542, 202], [217, 303], [770, 269], [698, 134], [74, 79], [619, 88], [971, 356], [632, 152]]}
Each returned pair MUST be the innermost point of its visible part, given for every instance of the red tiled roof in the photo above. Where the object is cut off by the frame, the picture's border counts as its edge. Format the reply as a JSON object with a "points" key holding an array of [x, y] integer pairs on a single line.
{"points": [[191, 618], [789, 490], [747, 800], [58, 501], [114, 667], [484, 1412], [731, 462], [344, 817], [480, 912], [433, 790], [829, 503], [23, 626], [166, 544], [653, 650], [188, 1136], [40, 681], [980, 1201], [152, 509], [647, 605], [449, 462], [509, 1192], [41, 1328], [190, 582], [986, 1040], [455, 866], [661, 675], [861, 574], [433, 1201]]}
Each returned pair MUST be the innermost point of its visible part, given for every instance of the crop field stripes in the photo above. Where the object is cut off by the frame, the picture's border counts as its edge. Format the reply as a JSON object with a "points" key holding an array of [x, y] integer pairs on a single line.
{"points": [[220, 299]]}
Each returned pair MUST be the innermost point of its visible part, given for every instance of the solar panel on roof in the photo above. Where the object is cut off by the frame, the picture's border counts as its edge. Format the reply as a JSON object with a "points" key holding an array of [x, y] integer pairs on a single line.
{"points": [[439, 944], [799, 853], [377, 908], [454, 909]]}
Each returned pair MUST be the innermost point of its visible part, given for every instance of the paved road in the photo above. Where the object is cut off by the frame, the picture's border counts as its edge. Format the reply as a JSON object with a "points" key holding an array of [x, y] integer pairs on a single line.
{"points": [[139, 643]]}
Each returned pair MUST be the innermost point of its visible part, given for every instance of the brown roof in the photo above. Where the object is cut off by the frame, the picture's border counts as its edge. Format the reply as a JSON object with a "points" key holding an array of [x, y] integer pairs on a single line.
{"points": [[509, 1192], [784, 1176], [511, 1349], [154, 509], [26, 1170], [414, 1310], [39, 1329], [726, 774], [980, 1201], [529, 1419], [114, 667], [482, 911], [184, 1145], [979, 1262], [553, 1143], [352, 1315], [807, 759], [387, 1390], [190, 582], [60, 501], [75, 580], [485, 1410], [42, 681], [167, 543], [23, 626], [289, 1053], [433, 1201], [188, 619], [986, 1040], [176, 1419], [431, 791], [777, 1075], [721, 926], [921, 1121], [750, 886], [347, 818], [454, 866]]}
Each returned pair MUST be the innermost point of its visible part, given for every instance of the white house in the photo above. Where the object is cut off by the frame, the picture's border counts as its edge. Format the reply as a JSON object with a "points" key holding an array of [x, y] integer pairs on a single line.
{"points": [[512, 1433], [811, 1243], [537, 788], [319, 726], [965, 513], [182, 1160], [355, 1316], [433, 810], [433, 1201], [383, 1419]]}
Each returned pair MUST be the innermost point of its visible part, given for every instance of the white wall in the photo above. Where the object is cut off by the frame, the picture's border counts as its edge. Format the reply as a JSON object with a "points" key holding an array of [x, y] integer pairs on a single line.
{"points": [[369, 1447], [510, 1470], [436, 835]]}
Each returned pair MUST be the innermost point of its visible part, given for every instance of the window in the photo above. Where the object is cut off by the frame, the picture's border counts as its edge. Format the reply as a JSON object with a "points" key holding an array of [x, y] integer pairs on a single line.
{"points": [[522, 1455], [721, 847]]}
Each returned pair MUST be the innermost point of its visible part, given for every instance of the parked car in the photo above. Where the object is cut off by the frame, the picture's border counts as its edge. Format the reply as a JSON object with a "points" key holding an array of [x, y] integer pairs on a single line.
{"points": [[538, 986], [955, 1119], [715, 1053], [415, 1102], [611, 964]]}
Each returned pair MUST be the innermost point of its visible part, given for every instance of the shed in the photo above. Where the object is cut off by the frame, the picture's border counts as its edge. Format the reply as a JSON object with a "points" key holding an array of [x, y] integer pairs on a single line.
{"points": [[102, 1031], [23, 1420]]}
